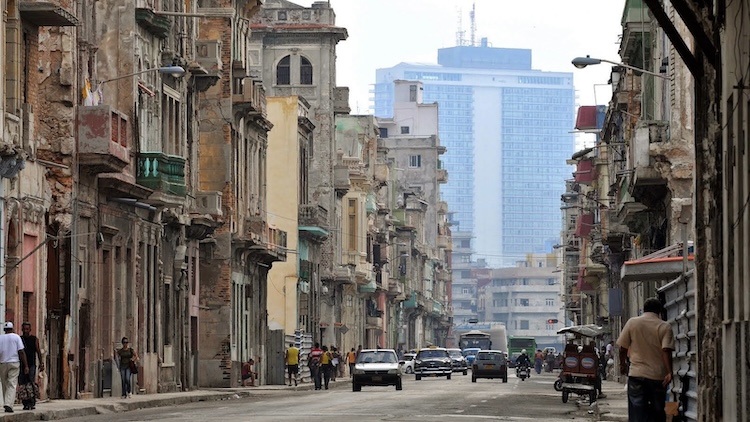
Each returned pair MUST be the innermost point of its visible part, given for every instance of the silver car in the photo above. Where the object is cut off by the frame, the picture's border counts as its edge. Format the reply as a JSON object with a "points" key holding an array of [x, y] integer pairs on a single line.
{"points": [[407, 363]]}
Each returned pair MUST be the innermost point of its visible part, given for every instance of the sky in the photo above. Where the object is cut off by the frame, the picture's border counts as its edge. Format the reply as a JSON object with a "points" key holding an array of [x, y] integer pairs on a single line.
{"points": [[383, 33]]}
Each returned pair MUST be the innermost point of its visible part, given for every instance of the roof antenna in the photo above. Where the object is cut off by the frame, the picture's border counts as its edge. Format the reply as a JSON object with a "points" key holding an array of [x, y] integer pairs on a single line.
{"points": [[472, 15], [460, 33]]}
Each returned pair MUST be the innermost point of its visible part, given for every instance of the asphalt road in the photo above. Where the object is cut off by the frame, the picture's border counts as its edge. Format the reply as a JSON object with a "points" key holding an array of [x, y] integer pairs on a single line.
{"points": [[431, 399]]}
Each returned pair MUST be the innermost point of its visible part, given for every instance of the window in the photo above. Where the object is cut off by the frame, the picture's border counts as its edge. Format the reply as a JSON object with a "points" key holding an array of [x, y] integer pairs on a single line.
{"points": [[305, 72], [524, 324], [550, 302], [383, 132], [404, 130], [415, 161], [523, 302], [352, 214], [413, 93], [283, 71]]}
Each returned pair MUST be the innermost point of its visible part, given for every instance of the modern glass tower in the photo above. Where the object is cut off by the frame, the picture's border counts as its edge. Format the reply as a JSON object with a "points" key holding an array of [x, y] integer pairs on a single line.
{"points": [[507, 129]]}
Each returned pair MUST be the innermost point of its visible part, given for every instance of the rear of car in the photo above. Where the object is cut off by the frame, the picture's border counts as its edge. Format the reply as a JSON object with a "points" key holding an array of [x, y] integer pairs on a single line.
{"points": [[489, 364], [458, 361], [433, 361], [378, 367]]}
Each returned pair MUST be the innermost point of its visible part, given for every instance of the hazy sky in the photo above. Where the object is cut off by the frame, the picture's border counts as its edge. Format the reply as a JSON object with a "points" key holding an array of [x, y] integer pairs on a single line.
{"points": [[383, 33]]}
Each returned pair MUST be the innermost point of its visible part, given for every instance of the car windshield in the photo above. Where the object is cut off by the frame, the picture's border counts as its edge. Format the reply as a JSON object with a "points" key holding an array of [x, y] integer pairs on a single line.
{"points": [[376, 357], [455, 353], [494, 356], [432, 354], [470, 352]]}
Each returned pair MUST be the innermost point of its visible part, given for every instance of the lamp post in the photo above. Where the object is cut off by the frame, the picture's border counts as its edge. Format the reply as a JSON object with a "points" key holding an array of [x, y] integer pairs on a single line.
{"points": [[582, 62], [174, 71]]}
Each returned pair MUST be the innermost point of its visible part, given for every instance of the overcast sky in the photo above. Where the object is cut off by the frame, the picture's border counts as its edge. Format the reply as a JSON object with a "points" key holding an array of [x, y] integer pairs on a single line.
{"points": [[383, 33]]}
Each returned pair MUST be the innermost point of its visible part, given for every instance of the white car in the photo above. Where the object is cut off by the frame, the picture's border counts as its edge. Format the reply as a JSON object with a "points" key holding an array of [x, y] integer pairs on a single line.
{"points": [[407, 363], [376, 367]]}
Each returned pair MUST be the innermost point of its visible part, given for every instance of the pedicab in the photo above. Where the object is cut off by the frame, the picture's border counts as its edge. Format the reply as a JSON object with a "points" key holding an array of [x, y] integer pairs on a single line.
{"points": [[579, 373]]}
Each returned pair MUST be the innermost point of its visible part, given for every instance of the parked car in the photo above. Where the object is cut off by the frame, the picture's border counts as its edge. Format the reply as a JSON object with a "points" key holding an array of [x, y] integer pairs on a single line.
{"points": [[490, 364], [470, 353], [458, 361], [433, 361], [407, 363], [376, 367]]}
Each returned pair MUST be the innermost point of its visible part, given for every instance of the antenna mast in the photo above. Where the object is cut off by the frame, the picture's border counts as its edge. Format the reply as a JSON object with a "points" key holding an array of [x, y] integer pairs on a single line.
{"points": [[460, 31], [473, 17]]}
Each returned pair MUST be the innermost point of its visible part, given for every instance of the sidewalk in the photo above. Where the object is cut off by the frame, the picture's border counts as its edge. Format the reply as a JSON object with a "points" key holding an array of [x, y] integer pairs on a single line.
{"points": [[61, 409], [615, 406]]}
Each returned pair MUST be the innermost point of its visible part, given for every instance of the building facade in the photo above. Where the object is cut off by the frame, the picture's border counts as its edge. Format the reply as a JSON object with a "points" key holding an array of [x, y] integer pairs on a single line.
{"points": [[506, 128]]}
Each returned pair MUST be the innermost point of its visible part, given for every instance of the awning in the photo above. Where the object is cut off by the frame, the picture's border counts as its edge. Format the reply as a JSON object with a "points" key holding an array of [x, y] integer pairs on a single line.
{"points": [[589, 330]]}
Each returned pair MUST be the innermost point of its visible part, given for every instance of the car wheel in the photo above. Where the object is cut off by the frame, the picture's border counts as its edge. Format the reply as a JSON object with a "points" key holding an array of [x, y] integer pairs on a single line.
{"points": [[356, 387], [473, 378], [417, 377], [565, 395], [465, 371], [448, 376], [409, 370], [398, 385]]}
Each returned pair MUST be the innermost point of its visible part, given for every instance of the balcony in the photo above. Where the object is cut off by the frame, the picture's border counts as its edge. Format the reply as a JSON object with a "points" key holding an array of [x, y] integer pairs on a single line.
{"points": [[341, 181], [313, 220], [437, 308], [158, 25], [209, 203], [442, 207], [394, 287], [411, 302], [382, 173], [43, 13], [647, 133], [103, 139], [442, 176], [162, 173], [374, 323], [341, 100], [585, 171], [444, 242], [268, 242], [249, 97], [636, 30]]}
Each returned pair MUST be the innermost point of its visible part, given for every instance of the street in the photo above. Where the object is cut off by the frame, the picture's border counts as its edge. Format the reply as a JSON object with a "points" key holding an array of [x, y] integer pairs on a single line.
{"points": [[428, 399]]}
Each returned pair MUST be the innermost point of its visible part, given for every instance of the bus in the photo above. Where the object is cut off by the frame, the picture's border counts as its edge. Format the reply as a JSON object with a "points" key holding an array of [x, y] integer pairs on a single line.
{"points": [[516, 344], [475, 339]]}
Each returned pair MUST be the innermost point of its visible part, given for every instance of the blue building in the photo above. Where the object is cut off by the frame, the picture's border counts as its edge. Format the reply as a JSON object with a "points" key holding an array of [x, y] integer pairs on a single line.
{"points": [[507, 129]]}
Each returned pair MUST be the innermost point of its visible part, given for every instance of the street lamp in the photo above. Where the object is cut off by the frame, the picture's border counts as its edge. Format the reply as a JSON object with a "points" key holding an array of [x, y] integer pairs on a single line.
{"points": [[581, 62], [174, 71]]}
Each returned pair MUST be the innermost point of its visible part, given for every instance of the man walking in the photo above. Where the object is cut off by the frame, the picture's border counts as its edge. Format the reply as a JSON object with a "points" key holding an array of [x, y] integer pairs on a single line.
{"points": [[291, 357], [11, 357], [33, 351], [647, 341], [351, 359], [313, 361]]}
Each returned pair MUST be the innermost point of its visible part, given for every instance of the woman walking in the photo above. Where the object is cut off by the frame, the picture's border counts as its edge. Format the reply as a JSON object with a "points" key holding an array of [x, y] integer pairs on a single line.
{"points": [[127, 360]]}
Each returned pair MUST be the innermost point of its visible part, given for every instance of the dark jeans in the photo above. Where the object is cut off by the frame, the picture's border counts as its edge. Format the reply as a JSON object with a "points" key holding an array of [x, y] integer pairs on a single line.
{"points": [[351, 369], [315, 373], [25, 379], [125, 375], [646, 399], [327, 371]]}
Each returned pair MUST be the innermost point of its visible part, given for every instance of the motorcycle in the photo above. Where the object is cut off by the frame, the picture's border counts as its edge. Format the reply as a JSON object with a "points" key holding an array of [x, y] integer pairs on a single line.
{"points": [[559, 383], [522, 372]]}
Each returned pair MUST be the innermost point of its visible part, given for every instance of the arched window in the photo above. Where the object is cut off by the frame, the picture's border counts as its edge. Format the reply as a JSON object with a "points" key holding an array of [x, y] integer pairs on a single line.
{"points": [[283, 71], [305, 72]]}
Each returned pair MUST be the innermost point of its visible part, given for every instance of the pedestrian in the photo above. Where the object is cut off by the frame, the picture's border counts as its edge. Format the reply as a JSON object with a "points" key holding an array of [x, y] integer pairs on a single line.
{"points": [[313, 362], [351, 359], [336, 362], [326, 365], [33, 351], [127, 362], [11, 359], [291, 357], [359, 349], [248, 374], [538, 359], [647, 343]]}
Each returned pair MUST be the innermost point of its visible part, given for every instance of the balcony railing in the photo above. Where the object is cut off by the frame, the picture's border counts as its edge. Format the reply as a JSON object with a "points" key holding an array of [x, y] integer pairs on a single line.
{"points": [[103, 139], [313, 215], [274, 240], [162, 172], [249, 97]]}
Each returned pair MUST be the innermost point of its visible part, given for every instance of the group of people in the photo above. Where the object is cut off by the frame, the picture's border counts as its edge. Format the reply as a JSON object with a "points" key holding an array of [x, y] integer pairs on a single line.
{"points": [[325, 364], [546, 360], [18, 365]]}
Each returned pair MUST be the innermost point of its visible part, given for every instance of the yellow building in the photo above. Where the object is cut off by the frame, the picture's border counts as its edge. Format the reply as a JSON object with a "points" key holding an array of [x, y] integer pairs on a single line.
{"points": [[288, 142]]}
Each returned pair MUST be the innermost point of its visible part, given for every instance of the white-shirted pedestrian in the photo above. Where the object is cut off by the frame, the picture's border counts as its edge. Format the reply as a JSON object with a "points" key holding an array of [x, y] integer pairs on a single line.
{"points": [[11, 358]]}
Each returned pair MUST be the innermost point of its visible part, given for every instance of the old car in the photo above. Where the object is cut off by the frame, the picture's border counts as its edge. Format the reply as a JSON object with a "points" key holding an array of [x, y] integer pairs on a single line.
{"points": [[376, 367], [470, 353], [433, 361], [490, 364], [407, 363], [458, 361]]}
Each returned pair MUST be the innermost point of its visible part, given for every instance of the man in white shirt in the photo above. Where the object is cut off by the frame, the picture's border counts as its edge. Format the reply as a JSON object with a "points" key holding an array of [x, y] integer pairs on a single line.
{"points": [[11, 357]]}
